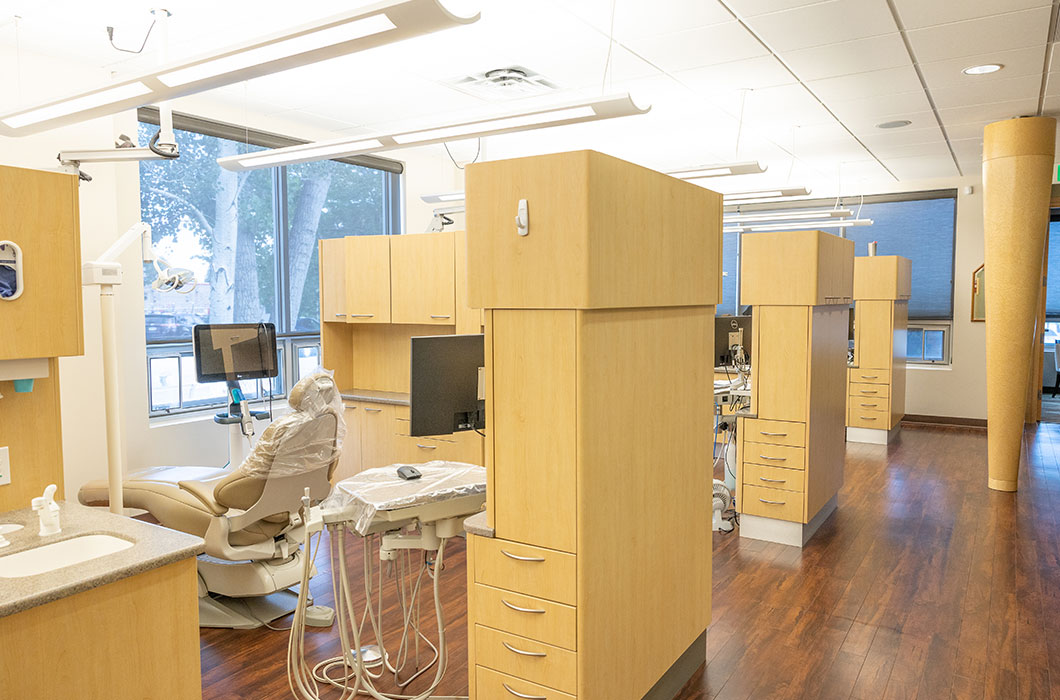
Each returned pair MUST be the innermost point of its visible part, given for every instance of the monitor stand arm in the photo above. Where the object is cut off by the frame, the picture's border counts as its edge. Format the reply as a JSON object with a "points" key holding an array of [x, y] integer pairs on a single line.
{"points": [[240, 421]]}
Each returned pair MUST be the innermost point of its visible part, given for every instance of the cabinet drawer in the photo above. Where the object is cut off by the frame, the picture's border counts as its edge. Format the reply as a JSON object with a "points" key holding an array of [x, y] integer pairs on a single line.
{"points": [[879, 391], [774, 455], [535, 618], [868, 403], [544, 573], [869, 418], [870, 376], [524, 658], [774, 477], [498, 686], [774, 432], [772, 503]]}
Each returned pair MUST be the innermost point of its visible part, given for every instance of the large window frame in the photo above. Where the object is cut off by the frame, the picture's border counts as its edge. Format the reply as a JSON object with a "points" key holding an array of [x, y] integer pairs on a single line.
{"points": [[289, 341]]}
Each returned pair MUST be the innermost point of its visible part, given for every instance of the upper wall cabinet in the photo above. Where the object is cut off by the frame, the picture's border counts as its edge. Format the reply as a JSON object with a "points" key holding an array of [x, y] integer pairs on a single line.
{"points": [[333, 280], [796, 268], [367, 279], [423, 278], [39, 215]]}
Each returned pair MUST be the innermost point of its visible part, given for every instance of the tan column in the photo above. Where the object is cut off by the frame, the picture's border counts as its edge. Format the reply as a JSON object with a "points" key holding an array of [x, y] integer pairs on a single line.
{"points": [[1017, 177]]}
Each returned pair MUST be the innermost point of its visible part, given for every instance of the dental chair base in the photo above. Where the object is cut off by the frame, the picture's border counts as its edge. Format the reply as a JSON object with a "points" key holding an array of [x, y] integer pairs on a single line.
{"points": [[247, 595]]}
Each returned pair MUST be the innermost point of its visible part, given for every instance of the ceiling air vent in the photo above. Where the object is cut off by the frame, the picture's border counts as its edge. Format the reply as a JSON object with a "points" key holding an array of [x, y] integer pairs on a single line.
{"points": [[504, 83]]}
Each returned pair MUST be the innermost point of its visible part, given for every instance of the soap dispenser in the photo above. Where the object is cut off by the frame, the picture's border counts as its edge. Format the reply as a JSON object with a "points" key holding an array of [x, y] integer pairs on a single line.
{"points": [[48, 511]]}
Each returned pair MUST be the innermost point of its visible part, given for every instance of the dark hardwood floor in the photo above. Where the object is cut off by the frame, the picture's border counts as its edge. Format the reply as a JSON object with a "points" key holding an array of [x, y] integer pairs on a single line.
{"points": [[923, 584]]}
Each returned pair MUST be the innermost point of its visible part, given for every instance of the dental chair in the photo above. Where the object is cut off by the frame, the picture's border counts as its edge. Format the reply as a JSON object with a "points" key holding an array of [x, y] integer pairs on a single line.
{"points": [[248, 516]]}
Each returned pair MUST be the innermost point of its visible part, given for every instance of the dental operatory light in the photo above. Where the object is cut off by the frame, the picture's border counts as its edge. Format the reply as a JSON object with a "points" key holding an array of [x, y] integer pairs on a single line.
{"points": [[984, 69], [609, 107], [357, 30], [720, 170]]}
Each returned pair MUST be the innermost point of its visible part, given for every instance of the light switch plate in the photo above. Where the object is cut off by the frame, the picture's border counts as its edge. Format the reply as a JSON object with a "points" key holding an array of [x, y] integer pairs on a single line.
{"points": [[5, 466]]}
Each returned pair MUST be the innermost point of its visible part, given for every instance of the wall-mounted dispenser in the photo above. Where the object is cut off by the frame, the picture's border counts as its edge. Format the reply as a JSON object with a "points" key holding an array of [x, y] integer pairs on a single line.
{"points": [[11, 284]]}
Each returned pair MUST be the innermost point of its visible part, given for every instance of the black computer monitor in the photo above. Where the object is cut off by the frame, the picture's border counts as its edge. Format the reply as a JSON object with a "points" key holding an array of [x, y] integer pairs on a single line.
{"points": [[729, 331], [233, 351], [444, 384]]}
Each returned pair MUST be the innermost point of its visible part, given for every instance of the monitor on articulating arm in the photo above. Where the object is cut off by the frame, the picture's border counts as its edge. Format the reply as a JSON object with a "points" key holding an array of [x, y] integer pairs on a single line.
{"points": [[444, 384]]}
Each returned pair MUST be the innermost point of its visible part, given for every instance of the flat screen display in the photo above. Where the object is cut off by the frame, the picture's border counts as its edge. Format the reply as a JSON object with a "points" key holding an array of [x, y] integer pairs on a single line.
{"points": [[234, 351]]}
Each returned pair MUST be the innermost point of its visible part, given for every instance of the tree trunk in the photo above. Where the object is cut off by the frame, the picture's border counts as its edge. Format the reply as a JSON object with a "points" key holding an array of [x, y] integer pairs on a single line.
{"points": [[226, 226], [248, 307], [302, 236]]}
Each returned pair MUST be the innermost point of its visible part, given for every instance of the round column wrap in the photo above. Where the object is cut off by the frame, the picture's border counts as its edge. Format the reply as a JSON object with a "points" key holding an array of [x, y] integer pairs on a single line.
{"points": [[1017, 178]]}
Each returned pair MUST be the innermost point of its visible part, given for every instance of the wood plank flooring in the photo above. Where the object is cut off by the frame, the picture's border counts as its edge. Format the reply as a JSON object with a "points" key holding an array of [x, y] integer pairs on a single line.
{"points": [[924, 584]]}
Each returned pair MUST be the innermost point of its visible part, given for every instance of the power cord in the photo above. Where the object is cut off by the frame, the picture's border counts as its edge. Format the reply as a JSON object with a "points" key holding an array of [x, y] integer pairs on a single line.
{"points": [[478, 152], [110, 36]]}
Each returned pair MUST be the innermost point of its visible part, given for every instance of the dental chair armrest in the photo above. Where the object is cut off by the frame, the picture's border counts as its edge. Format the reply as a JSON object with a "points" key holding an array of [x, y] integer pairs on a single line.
{"points": [[203, 490]]}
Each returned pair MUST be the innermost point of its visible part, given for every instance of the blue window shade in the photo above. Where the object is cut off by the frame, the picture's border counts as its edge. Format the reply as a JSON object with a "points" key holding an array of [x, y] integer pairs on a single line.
{"points": [[728, 281], [1052, 296], [923, 231]]}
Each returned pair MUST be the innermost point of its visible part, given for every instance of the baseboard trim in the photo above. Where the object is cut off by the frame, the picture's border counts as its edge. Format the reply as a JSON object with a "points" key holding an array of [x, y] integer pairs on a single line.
{"points": [[944, 420], [682, 670]]}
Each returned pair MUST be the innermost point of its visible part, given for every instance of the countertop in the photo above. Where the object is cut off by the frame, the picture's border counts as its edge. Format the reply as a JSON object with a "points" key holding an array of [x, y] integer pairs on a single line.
{"points": [[477, 524], [153, 547], [396, 398]]}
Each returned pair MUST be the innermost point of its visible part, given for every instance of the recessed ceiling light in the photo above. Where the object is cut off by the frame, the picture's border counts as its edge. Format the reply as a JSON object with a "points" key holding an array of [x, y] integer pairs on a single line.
{"points": [[896, 124], [983, 69]]}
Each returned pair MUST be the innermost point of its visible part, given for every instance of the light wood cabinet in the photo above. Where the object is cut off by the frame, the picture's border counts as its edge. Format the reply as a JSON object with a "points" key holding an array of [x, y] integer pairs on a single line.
{"points": [[795, 268], [423, 278], [367, 279], [332, 266], [350, 459], [39, 213]]}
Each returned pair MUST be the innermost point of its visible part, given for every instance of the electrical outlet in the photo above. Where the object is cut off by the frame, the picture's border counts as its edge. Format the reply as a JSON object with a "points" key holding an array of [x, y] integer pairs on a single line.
{"points": [[5, 466]]}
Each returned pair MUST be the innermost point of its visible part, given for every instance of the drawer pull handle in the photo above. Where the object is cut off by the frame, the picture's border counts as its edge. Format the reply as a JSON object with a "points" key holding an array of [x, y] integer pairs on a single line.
{"points": [[339, 315], [774, 459], [869, 405], [772, 503], [520, 652], [774, 481], [519, 558], [867, 418], [869, 376], [427, 447], [440, 316], [522, 695], [362, 315], [516, 608], [773, 434], [866, 391], [373, 410]]}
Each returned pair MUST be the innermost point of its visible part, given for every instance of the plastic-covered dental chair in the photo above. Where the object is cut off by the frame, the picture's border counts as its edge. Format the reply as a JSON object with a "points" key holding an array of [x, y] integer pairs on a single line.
{"points": [[248, 516]]}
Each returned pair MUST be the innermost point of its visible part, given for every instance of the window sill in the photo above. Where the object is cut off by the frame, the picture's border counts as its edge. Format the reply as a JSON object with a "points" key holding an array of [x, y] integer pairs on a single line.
{"points": [[279, 408], [929, 367]]}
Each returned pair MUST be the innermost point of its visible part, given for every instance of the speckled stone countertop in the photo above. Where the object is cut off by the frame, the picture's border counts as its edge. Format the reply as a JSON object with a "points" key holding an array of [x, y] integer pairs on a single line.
{"points": [[370, 396], [153, 547], [477, 525]]}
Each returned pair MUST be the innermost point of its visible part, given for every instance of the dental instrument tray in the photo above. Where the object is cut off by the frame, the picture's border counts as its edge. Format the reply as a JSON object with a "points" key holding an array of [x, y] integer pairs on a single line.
{"points": [[377, 500]]}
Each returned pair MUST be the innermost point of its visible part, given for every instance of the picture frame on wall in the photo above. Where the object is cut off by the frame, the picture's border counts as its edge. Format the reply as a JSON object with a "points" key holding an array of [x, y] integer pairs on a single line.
{"points": [[979, 294]]}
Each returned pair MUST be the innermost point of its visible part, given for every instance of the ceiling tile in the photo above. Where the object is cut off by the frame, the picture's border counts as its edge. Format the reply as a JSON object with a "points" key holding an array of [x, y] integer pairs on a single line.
{"points": [[994, 111], [965, 132], [1013, 30], [824, 23], [968, 148], [922, 167], [890, 81], [873, 110], [1016, 62], [901, 137], [1052, 106], [638, 20], [916, 14], [858, 56], [1052, 84], [1027, 86], [704, 46], [752, 8], [934, 149], [752, 74]]}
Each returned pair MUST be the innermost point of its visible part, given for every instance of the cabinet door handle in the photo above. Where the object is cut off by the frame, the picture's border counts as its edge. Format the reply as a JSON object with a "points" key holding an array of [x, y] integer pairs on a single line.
{"points": [[339, 315], [773, 434], [440, 316], [519, 558], [774, 459], [523, 695], [520, 652], [362, 315], [427, 447], [773, 481], [516, 608], [373, 410], [772, 503]]}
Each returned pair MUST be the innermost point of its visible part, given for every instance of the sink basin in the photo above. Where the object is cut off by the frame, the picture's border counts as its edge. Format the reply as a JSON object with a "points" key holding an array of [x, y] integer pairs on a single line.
{"points": [[57, 555]]}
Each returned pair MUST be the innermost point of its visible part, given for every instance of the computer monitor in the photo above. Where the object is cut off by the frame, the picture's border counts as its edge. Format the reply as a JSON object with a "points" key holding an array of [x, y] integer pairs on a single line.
{"points": [[444, 384], [729, 331], [228, 352]]}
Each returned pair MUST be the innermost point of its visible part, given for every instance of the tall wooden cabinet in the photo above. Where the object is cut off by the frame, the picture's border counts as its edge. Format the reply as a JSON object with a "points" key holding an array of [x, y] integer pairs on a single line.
{"points": [[596, 581], [791, 452], [876, 402]]}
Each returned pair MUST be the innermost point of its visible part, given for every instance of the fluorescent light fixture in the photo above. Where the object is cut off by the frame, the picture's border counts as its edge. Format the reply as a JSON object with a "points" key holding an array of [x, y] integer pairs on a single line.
{"points": [[799, 226], [540, 117], [357, 30], [984, 69], [767, 194], [721, 170], [443, 197], [787, 216]]}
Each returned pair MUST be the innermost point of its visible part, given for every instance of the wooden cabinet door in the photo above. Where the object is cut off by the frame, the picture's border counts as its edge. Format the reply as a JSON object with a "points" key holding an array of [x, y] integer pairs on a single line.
{"points": [[333, 280], [423, 278], [367, 279], [350, 459], [780, 363], [380, 443], [874, 334], [39, 213]]}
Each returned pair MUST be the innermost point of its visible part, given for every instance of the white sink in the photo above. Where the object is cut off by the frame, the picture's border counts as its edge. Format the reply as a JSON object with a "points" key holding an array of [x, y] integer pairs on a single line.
{"points": [[49, 557]]}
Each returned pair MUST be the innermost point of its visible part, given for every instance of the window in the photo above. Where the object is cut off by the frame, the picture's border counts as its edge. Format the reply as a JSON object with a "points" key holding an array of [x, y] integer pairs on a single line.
{"points": [[1052, 294], [928, 343], [251, 240]]}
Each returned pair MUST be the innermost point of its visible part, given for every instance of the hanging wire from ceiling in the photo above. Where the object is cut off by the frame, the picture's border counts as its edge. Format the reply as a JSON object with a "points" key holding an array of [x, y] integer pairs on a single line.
{"points": [[791, 163], [110, 37], [605, 85], [739, 125], [478, 152]]}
